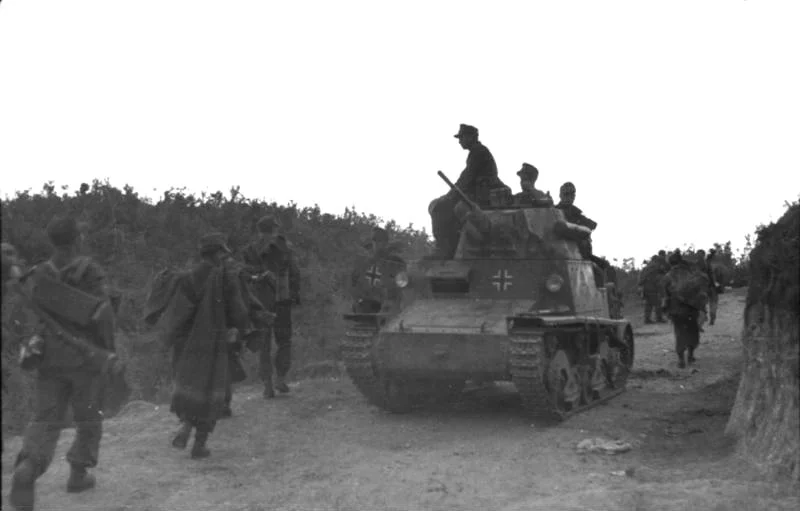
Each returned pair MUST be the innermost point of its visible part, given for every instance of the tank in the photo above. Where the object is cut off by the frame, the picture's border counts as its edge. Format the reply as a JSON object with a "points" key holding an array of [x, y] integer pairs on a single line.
{"points": [[516, 303]]}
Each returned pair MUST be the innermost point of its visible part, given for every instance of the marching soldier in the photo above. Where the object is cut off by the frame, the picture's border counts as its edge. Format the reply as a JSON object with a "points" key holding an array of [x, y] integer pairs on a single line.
{"points": [[684, 302], [63, 377], [704, 265], [476, 181], [208, 316], [271, 260], [651, 284]]}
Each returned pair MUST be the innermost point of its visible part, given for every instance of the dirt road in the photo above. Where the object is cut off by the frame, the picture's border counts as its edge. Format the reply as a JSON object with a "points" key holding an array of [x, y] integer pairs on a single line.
{"points": [[324, 448]]}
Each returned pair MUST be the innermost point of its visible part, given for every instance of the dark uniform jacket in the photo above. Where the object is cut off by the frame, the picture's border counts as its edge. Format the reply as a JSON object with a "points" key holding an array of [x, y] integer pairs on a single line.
{"points": [[479, 176], [574, 215], [279, 259]]}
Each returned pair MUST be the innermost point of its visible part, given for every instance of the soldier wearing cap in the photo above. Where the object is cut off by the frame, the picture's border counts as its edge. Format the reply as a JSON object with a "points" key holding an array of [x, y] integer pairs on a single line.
{"points": [[528, 175], [276, 280], [201, 374], [63, 377], [476, 181]]}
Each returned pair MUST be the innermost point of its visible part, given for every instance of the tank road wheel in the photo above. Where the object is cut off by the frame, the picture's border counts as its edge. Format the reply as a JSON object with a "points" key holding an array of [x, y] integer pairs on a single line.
{"points": [[562, 382]]}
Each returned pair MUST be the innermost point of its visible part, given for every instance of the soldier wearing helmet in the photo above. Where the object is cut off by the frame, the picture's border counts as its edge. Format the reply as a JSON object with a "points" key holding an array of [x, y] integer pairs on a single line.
{"points": [[477, 180]]}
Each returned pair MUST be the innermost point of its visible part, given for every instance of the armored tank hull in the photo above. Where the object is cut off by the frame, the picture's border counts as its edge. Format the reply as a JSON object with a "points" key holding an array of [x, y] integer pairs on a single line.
{"points": [[560, 364], [517, 303]]}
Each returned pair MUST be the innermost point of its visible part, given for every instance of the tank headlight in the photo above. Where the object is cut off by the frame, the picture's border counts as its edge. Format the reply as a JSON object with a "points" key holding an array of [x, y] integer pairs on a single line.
{"points": [[401, 279], [554, 283]]}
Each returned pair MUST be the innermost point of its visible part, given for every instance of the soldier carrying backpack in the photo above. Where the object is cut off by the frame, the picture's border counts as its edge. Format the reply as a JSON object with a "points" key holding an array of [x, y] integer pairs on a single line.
{"points": [[686, 291], [71, 347]]}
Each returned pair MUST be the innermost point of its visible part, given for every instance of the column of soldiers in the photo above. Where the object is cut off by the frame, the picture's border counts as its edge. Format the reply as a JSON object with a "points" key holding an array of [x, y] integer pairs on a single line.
{"points": [[213, 310]]}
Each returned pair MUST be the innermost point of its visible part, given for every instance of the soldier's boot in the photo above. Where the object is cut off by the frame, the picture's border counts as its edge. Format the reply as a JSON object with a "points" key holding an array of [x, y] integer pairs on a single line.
{"points": [[692, 360], [79, 479], [269, 392], [182, 437], [681, 360], [280, 384], [199, 449], [23, 483]]}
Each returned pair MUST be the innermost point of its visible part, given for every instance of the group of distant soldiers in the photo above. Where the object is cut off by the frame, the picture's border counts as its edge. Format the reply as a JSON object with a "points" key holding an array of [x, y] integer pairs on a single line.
{"points": [[209, 313], [684, 290]]}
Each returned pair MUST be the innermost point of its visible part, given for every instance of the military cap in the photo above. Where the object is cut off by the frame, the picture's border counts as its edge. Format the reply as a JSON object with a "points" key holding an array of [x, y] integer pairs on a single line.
{"points": [[267, 223], [662, 253], [466, 129], [63, 231], [568, 187], [379, 234], [528, 170], [213, 242]]}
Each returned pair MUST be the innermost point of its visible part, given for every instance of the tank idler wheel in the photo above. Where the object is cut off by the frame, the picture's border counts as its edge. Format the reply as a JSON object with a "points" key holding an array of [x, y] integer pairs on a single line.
{"points": [[398, 395], [562, 381]]}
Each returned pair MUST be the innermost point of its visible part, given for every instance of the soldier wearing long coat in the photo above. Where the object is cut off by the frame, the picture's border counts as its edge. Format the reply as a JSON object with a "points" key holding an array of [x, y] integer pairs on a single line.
{"points": [[208, 304]]}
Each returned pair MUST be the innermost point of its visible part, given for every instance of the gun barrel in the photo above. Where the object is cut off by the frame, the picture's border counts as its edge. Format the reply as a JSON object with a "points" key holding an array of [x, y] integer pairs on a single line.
{"points": [[458, 190]]}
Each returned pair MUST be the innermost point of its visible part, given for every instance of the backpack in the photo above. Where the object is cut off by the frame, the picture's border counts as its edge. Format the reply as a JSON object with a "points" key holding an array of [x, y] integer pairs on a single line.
{"points": [[689, 286]]}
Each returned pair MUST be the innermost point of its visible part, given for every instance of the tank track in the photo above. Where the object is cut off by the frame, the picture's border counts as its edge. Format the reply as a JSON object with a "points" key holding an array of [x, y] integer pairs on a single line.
{"points": [[529, 364], [357, 355]]}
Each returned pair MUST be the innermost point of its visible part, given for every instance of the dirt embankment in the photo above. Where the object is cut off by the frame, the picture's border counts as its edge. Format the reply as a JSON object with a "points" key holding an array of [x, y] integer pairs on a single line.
{"points": [[322, 447]]}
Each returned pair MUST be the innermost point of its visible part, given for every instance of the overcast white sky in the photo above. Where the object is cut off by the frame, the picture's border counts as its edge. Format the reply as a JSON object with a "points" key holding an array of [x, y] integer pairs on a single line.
{"points": [[678, 121]]}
